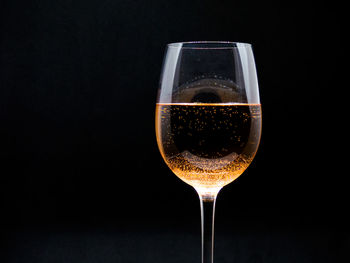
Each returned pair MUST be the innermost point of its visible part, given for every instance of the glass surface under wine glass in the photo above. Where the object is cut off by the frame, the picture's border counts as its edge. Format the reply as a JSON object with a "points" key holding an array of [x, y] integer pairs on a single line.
{"points": [[208, 119]]}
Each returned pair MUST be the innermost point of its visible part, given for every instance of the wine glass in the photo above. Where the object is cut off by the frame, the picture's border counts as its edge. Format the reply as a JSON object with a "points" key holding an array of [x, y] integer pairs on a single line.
{"points": [[208, 119]]}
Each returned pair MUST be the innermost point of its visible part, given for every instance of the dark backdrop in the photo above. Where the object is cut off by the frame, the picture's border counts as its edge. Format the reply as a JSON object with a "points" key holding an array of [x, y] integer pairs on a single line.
{"points": [[81, 176]]}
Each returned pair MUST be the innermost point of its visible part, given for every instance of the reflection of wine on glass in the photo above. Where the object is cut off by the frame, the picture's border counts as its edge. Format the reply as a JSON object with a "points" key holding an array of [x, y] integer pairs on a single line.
{"points": [[208, 119]]}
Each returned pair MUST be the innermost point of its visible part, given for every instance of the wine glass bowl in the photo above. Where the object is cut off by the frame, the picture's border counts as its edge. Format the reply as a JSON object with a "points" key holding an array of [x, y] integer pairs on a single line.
{"points": [[208, 118]]}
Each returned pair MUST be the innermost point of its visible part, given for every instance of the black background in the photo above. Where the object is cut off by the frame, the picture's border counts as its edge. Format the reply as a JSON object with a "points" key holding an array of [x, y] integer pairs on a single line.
{"points": [[81, 176]]}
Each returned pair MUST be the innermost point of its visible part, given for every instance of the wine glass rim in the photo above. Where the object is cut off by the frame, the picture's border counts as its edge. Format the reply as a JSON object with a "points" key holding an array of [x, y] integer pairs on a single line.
{"points": [[208, 45]]}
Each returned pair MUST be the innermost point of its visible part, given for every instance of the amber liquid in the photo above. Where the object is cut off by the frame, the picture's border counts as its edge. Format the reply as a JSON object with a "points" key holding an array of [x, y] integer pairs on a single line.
{"points": [[208, 145]]}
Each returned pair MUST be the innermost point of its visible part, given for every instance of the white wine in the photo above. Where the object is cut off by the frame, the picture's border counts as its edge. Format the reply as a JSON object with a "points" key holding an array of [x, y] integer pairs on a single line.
{"points": [[208, 145]]}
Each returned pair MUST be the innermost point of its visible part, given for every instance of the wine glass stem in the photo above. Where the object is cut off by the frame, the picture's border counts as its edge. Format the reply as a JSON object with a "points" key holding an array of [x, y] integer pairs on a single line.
{"points": [[207, 216]]}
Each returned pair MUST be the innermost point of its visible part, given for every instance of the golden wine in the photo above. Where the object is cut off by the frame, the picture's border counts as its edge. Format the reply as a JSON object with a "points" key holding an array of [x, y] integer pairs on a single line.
{"points": [[208, 145]]}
